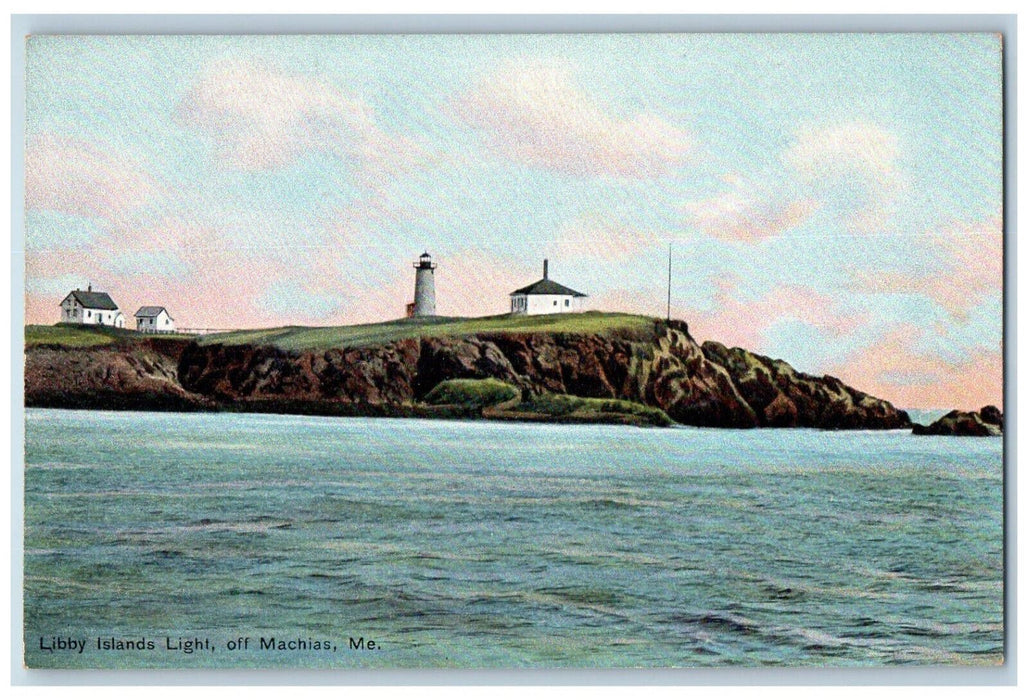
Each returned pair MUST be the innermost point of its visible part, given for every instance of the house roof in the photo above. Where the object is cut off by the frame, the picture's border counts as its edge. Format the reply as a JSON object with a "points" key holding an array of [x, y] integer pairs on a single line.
{"points": [[547, 286], [150, 311], [94, 300]]}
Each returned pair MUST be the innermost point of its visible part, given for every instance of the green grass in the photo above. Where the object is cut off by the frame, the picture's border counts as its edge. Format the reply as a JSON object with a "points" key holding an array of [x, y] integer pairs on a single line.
{"points": [[326, 337], [304, 338], [69, 336], [565, 405], [76, 336], [471, 393]]}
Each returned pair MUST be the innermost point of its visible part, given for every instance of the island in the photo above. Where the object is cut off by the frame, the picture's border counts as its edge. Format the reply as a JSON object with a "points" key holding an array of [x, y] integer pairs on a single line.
{"points": [[586, 367]]}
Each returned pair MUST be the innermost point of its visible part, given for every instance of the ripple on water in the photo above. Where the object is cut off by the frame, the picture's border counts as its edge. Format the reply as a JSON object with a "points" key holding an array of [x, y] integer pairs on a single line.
{"points": [[535, 547]]}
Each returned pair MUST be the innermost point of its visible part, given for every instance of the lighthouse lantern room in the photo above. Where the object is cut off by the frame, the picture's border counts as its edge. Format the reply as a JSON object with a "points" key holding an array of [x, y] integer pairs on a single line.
{"points": [[424, 287]]}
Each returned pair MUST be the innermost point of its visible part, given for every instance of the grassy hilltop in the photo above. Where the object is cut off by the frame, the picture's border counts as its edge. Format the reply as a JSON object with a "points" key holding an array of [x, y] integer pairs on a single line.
{"points": [[74, 336], [324, 338], [302, 338]]}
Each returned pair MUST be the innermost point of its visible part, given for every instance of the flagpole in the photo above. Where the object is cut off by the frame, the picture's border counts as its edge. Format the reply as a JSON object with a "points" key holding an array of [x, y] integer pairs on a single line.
{"points": [[669, 281]]}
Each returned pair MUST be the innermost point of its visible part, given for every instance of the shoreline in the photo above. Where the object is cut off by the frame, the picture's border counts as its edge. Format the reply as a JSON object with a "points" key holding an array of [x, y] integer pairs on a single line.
{"points": [[419, 413]]}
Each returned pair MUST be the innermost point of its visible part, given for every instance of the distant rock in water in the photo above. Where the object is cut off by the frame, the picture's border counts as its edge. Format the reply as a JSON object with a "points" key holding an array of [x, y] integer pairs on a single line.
{"points": [[985, 423], [991, 414]]}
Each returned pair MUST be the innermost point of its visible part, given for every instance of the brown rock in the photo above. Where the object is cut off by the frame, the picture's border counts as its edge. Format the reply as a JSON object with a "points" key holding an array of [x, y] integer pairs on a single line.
{"points": [[991, 414], [960, 423], [782, 397]]}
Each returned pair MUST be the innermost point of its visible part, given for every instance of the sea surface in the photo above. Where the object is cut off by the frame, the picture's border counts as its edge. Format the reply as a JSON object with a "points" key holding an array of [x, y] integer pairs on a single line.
{"points": [[235, 540]]}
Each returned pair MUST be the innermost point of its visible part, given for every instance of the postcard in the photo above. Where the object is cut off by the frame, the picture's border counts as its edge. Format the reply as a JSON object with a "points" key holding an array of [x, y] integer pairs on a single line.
{"points": [[495, 351]]}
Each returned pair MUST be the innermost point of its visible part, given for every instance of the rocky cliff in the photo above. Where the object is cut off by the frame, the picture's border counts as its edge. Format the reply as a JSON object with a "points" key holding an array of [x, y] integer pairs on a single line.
{"points": [[988, 422], [142, 376], [658, 365], [781, 397]]}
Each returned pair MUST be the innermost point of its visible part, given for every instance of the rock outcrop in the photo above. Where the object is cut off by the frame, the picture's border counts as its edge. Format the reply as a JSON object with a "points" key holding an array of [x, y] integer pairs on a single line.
{"points": [[142, 377], [985, 423], [781, 397], [228, 373], [661, 366]]}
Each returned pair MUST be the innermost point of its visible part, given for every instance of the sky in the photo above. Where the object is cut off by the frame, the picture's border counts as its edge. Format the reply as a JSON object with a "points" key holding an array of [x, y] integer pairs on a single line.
{"points": [[833, 200]]}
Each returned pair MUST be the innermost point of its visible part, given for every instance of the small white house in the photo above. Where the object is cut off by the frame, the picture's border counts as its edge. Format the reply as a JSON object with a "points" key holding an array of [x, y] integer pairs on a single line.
{"points": [[91, 309], [154, 319], [545, 297]]}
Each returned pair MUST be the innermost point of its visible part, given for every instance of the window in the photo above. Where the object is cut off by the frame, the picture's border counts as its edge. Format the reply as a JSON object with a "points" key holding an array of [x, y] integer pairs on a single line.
{"points": [[567, 302], [554, 302]]}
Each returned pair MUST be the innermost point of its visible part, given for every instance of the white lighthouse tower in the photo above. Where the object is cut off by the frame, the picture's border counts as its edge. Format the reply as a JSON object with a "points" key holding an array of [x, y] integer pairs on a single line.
{"points": [[424, 286]]}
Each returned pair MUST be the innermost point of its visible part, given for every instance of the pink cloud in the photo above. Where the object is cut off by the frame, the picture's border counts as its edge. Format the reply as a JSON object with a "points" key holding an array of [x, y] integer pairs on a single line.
{"points": [[894, 370], [736, 321], [748, 217], [537, 114], [222, 290], [971, 268], [259, 118], [743, 322], [198, 273], [82, 178]]}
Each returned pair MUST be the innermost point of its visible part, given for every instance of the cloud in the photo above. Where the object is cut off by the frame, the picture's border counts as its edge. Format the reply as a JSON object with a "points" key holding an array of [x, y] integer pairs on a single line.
{"points": [[852, 167], [261, 119], [817, 153], [743, 322], [538, 115], [87, 179], [848, 171], [734, 319], [970, 269], [895, 370], [747, 214]]}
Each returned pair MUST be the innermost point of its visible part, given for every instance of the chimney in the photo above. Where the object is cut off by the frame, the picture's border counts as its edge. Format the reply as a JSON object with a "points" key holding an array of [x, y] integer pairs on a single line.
{"points": [[546, 269], [89, 287]]}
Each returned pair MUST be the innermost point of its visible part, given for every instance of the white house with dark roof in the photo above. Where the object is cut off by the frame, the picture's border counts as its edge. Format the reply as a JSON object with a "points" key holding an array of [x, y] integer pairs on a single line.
{"points": [[91, 309], [154, 319], [545, 297]]}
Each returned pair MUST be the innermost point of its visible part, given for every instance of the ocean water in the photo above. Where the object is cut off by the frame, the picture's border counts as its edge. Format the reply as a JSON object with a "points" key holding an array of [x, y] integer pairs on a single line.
{"points": [[162, 540]]}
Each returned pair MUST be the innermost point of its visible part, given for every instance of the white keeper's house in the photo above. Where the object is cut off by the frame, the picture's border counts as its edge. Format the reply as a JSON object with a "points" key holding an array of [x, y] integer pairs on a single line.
{"points": [[154, 319], [545, 297], [91, 309]]}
